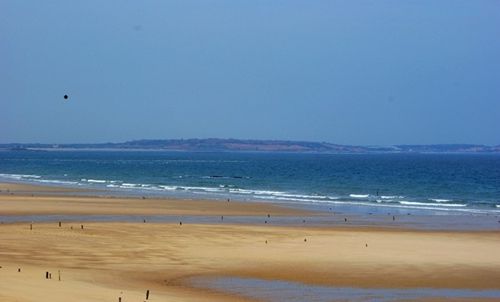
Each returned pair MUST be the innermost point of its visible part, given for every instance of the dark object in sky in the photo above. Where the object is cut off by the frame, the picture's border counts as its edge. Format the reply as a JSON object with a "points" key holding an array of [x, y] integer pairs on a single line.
{"points": [[65, 96]]}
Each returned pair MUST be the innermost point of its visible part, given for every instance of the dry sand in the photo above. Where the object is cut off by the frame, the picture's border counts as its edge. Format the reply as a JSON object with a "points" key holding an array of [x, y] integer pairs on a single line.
{"points": [[107, 260]]}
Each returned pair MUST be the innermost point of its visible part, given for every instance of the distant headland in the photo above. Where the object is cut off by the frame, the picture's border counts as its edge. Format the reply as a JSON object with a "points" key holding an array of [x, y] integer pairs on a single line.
{"points": [[245, 145]]}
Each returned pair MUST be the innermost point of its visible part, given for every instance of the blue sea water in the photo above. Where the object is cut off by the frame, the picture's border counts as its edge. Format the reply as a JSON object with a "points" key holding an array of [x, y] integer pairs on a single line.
{"points": [[436, 182]]}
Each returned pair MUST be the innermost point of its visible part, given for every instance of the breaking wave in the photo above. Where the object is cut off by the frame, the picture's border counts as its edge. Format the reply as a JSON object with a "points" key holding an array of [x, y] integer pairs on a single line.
{"points": [[282, 196]]}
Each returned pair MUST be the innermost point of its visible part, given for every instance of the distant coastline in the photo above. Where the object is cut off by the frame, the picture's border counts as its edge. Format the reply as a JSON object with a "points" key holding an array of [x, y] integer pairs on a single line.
{"points": [[243, 145]]}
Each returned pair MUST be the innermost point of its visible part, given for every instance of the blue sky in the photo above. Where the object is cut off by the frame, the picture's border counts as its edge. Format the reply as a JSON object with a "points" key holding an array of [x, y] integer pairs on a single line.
{"points": [[349, 72]]}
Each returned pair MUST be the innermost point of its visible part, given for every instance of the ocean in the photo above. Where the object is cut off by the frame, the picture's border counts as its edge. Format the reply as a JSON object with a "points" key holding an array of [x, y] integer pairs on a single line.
{"points": [[438, 183]]}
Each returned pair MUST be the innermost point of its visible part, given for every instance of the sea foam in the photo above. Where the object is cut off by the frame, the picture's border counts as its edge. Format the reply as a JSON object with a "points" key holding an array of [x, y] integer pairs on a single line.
{"points": [[359, 195], [414, 203], [440, 200], [97, 181], [20, 176]]}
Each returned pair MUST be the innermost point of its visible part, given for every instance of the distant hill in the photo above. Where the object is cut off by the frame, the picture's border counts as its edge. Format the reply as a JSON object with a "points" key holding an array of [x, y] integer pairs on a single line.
{"points": [[243, 145]]}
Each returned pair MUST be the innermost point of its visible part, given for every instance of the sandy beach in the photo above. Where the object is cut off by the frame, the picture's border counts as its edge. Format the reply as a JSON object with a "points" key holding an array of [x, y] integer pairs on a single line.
{"points": [[108, 260], [253, 151], [20, 199]]}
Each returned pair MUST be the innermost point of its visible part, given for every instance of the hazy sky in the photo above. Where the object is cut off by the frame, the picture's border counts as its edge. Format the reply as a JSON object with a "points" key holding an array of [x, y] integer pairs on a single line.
{"points": [[350, 72]]}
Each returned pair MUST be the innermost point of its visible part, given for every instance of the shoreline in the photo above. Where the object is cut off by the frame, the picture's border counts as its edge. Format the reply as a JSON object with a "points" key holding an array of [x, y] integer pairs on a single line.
{"points": [[20, 199], [38, 203], [358, 203], [104, 260]]}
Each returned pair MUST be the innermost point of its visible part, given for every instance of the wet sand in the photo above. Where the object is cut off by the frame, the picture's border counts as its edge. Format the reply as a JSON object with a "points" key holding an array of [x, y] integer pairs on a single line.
{"points": [[107, 260], [7, 188], [36, 200]]}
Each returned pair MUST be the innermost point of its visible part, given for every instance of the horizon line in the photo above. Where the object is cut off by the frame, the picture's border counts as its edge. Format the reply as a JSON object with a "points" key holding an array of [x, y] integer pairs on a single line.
{"points": [[248, 139]]}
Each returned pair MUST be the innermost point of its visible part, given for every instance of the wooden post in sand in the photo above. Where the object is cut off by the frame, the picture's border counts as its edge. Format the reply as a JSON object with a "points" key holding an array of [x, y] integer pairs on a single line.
{"points": [[119, 299], [31, 226], [147, 294], [59, 274], [59, 224]]}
